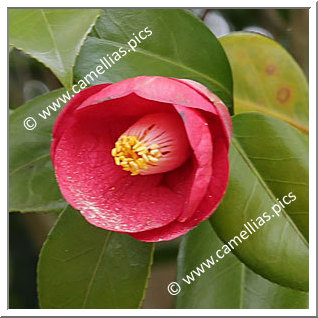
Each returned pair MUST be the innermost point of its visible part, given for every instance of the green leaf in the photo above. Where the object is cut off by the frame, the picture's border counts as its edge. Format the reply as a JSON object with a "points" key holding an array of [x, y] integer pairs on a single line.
{"points": [[267, 79], [82, 266], [180, 46], [269, 159], [32, 183], [228, 284], [52, 36]]}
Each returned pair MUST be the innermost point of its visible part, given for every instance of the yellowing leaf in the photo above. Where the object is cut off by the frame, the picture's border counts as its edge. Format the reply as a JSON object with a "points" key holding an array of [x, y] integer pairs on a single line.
{"points": [[267, 79]]}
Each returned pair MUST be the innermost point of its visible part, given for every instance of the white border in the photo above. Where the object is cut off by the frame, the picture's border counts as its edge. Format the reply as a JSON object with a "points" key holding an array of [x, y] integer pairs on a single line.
{"points": [[312, 157], [164, 3], [312, 203]]}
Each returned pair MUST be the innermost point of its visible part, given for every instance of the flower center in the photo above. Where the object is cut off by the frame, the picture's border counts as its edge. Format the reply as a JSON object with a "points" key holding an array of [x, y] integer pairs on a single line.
{"points": [[134, 155], [156, 143]]}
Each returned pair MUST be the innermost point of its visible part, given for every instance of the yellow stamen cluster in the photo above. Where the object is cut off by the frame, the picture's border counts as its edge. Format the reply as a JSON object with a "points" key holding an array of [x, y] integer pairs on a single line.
{"points": [[134, 155]]}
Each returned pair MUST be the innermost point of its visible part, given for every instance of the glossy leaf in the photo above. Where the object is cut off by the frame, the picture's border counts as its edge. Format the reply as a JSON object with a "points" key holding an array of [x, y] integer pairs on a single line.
{"points": [[280, 154], [269, 159], [177, 45], [82, 266], [228, 284], [267, 79], [32, 183], [52, 36]]}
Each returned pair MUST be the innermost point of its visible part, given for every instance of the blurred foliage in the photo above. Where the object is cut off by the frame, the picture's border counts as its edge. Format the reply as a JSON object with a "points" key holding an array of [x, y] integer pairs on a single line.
{"points": [[242, 18], [23, 69]]}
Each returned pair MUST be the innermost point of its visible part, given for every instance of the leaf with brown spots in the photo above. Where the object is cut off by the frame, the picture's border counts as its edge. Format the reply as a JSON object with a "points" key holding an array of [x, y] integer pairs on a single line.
{"points": [[267, 79]]}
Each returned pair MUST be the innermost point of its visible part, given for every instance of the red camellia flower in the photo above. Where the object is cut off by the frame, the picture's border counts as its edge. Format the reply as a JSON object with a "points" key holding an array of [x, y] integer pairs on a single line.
{"points": [[147, 156]]}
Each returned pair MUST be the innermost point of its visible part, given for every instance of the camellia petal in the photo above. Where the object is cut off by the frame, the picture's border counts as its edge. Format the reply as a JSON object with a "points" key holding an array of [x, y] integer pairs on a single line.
{"points": [[221, 109], [66, 117], [201, 143], [155, 88]]}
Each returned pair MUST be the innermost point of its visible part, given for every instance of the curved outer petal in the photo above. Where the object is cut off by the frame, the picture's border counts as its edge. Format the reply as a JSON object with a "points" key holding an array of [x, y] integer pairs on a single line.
{"points": [[155, 88], [200, 140], [66, 116], [221, 109]]}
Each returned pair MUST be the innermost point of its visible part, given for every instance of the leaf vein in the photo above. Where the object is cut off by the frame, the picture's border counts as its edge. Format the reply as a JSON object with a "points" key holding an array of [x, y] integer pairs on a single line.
{"points": [[90, 284], [265, 186], [57, 53]]}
